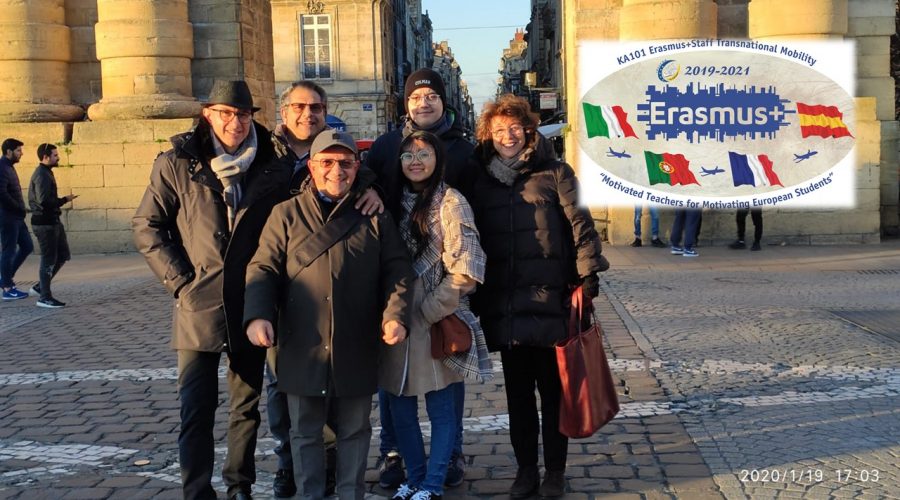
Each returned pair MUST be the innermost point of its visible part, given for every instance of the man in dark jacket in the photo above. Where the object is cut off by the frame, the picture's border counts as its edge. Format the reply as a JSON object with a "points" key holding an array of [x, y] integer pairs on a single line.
{"points": [[331, 280], [46, 205], [198, 225], [425, 110], [14, 238]]}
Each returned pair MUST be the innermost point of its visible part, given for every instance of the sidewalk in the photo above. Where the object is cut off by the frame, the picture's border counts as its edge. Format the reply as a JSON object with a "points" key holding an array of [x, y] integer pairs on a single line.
{"points": [[731, 364]]}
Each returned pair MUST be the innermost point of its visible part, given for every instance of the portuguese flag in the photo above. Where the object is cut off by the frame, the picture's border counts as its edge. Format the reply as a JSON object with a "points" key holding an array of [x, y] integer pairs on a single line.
{"points": [[607, 121], [668, 168], [821, 121]]}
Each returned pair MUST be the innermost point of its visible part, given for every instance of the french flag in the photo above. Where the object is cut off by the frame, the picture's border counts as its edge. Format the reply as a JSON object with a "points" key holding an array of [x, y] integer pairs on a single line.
{"points": [[752, 170]]}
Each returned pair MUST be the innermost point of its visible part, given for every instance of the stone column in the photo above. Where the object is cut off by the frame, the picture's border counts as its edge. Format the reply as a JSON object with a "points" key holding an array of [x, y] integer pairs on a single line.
{"points": [[809, 19], [34, 62], [667, 19], [145, 49], [84, 68]]}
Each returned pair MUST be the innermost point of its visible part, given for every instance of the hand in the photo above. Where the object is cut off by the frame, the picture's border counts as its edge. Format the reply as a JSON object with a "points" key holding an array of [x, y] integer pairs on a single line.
{"points": [[71, 197], [590, 287], [261, 333], [369, 203], [394, 332]]}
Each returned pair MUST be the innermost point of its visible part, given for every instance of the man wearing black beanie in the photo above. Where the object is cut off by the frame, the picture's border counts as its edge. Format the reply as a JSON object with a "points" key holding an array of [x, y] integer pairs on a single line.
{"points": [[426, 109]]}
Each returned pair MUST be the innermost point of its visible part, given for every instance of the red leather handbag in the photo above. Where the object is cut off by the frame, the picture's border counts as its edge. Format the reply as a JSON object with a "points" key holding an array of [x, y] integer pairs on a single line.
{"points": [[449, 336], [589, 397]]}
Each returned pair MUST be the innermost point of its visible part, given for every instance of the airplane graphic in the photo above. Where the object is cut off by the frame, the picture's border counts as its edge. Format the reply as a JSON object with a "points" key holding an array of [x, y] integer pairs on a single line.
{"points": [[714, 171], [804, 156], [616, 154]]}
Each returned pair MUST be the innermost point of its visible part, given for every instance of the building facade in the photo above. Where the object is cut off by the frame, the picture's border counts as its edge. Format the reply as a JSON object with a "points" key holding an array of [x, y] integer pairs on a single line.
{"points": [[514, 66], [457, 90]]}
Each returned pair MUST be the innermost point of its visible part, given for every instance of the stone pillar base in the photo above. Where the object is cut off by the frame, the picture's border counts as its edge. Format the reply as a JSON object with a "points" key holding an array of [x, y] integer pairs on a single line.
{"points": [[14, 112], [164, 106]]}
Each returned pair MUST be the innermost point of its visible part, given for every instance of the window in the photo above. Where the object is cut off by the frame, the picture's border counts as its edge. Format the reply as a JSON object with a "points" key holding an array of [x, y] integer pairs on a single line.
{"points": [[315, 46]]}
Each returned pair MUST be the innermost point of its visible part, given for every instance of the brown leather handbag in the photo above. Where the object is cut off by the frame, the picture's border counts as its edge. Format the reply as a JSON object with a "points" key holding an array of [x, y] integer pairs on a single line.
{"points": [[449, 336], [589, 397]]}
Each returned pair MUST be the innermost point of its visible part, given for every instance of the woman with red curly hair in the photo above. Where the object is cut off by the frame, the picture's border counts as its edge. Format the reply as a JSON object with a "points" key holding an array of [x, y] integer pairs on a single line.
{"points": [[540, 245]]}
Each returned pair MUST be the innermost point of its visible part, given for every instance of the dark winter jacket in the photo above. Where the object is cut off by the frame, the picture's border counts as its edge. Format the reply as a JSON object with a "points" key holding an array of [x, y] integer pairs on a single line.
{"points": [[181, 227], [539, 244], [12, 204], [43, 198], [328, 307], [384, 159]]}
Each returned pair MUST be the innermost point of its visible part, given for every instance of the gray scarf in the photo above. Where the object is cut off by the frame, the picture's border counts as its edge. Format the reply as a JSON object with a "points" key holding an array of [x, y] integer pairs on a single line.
{"points": [[505, 170], [230, 169], [439, 128]]}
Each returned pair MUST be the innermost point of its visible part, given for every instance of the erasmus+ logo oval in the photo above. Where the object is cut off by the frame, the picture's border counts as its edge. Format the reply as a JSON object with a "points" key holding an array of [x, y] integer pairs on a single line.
{"points": [[719, 123]]}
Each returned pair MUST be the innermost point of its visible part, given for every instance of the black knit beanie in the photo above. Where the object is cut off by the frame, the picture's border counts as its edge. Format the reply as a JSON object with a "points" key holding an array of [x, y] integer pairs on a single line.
{"points": [[425, 77]]}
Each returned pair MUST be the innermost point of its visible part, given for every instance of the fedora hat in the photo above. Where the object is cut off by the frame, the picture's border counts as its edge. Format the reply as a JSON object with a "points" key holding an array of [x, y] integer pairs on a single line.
{"points": [[233, 93]]}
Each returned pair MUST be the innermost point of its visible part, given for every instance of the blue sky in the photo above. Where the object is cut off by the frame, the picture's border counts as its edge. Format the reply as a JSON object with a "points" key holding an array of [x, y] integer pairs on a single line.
{"points": [[477, 51]]}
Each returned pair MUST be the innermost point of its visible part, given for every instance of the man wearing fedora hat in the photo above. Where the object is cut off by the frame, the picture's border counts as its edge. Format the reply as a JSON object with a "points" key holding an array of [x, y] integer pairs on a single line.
{"points": [[198, 225]]}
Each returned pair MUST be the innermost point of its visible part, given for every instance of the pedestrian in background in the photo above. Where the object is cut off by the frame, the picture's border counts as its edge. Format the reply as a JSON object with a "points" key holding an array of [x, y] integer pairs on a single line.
{"points": [[540, 245], [685, 226], [198, 226], [741, 220], [332, 280], [426, 109], [438, 227], [15, 242], [654, 226], [46, 208]]}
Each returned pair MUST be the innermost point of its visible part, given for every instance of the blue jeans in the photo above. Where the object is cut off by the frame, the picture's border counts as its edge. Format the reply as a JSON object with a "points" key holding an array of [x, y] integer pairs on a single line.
{"points": [[686, 220], [654, 220], [16, 246], [442, 414], [388, 435]]}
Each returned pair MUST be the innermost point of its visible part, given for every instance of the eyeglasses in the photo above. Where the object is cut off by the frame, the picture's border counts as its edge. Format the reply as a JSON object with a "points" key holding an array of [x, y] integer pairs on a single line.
{"points": [[226, 115], [314, 107], [515, 130], [328, 163], [423, 156], [429, 98]]}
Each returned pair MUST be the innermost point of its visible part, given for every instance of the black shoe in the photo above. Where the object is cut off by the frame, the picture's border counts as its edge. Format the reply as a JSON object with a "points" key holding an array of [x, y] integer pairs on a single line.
{"points": [[283, 486], [35, 291], [456, 471], [755, 247], [636, 242], [241, 495], [526, 482], [50, 303], [554, 484], [738, 245], [391, 473], [657, 243], [426, 495]]}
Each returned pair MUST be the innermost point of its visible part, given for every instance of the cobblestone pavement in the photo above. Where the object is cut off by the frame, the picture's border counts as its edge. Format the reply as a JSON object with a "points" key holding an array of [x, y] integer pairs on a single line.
{"points": [[737, 381]]}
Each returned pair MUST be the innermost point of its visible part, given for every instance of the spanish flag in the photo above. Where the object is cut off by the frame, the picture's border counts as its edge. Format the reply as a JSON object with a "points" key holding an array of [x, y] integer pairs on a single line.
{"points": [[668, 169], [821, 121], [606, 121]]}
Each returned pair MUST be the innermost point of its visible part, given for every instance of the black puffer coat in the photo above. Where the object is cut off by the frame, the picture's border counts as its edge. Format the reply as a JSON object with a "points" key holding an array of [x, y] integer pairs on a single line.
{"points": [[539, 243]]}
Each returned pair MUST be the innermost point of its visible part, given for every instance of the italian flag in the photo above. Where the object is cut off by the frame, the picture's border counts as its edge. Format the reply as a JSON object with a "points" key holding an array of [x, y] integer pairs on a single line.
{"points": [[668, 168], [821, 121], [606, 121]]}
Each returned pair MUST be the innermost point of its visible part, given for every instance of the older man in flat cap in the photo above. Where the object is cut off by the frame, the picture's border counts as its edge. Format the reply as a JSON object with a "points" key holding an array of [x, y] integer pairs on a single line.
{"points": [[198, 226]]}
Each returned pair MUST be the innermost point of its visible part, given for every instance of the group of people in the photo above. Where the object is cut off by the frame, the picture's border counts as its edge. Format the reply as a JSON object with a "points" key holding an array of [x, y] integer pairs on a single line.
{"points": [[686, 229], [282, 245], [45, 206]]}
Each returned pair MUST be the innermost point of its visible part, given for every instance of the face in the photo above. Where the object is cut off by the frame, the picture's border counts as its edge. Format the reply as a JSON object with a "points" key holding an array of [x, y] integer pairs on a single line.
{"points": [[52, 160], [231, 125], [16, 155], [508, 136], [303, 123], [424, 113], [334, 180], [418, 162]]}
